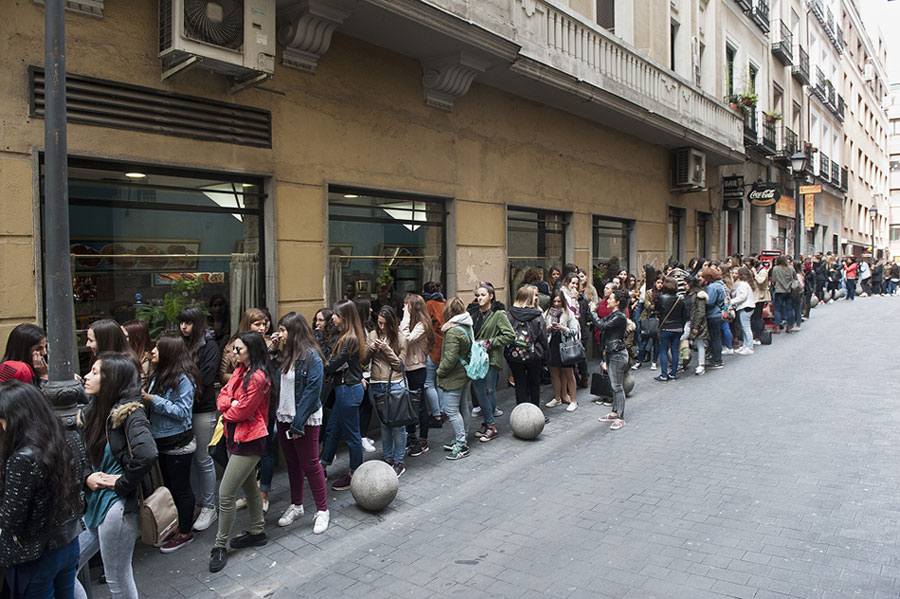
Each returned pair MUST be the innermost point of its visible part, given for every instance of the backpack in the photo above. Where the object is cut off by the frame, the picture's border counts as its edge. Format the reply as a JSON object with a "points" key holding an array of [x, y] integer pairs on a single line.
{"points": [[479, 361], [521, 349]]}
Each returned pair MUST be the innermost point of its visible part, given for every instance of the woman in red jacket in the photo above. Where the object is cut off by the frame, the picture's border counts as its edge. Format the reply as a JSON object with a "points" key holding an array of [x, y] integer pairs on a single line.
{"points": [[244, 403]]}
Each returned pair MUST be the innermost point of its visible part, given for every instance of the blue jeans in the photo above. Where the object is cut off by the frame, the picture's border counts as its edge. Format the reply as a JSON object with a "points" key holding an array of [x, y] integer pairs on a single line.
{"points": [[432, 391], [851, 289], [453, 400], [486, 389], [344, 423], [714, 324], [744, 318], [51, 576], [783, 307], [727, 340], [267, 463], [668, 348], [648, 345], [393, 438]]}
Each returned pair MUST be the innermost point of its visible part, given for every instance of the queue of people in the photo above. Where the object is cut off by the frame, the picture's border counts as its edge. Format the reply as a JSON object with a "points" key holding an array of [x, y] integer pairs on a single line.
{"points": [[175, 401]]}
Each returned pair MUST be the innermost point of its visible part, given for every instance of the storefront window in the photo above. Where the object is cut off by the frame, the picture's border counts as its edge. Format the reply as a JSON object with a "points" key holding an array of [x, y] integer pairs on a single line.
{"points": [[380, 243], [612, 239], [147, 241], [534, 239]]}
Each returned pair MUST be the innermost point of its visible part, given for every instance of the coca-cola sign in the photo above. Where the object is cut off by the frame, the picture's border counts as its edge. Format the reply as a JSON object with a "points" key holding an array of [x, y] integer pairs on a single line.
{"points": [[764, 194]]}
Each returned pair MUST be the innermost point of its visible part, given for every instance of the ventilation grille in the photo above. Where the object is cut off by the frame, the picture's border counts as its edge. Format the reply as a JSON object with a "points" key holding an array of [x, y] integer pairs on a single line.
{"points": [[111, 104], [165, 25], [220, 23]]}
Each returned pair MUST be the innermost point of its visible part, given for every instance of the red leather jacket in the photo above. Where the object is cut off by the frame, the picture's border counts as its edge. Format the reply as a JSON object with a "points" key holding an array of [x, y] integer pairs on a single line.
{"points": [[248, 408]]}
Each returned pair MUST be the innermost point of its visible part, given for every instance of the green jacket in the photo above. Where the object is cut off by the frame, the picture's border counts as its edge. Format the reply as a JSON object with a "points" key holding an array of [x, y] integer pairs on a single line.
{"points": [[499, 332], [451, 374]]}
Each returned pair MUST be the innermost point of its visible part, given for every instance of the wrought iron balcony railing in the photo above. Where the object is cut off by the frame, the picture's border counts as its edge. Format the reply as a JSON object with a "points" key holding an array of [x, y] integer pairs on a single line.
{"points": [[782, 45]]}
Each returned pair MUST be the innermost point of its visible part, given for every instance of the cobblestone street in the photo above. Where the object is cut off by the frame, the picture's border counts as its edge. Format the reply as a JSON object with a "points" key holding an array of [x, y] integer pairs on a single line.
{"points": [[775, 477]]}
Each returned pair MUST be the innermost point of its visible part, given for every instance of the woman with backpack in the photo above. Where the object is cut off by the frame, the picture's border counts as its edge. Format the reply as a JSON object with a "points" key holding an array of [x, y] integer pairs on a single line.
{"points": [[671, 327], [559, 319], [451, 372], [492, 330], [388, 351], [528, 351]]}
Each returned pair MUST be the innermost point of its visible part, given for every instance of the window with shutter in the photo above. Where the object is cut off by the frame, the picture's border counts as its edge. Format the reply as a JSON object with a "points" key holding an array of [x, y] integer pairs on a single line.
{"points": [[606, 14]]}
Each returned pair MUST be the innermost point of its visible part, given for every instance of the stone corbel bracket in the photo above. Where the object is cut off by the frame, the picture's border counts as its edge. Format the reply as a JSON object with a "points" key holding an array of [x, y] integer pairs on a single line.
{"points": [[305, 29], [446, 78]]}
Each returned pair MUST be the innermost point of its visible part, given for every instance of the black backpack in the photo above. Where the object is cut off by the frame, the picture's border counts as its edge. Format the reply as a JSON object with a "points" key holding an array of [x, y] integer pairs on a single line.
{"points": [[523, 348]]}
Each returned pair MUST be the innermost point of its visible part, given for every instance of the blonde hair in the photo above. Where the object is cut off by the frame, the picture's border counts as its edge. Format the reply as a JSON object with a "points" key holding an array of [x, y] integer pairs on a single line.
{"points": [[526, 297]]}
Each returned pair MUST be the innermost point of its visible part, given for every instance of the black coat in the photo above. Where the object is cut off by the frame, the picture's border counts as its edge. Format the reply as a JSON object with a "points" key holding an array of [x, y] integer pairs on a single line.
{"points": [[673, 306], [208, 358], [127, 424], [612, 329]]}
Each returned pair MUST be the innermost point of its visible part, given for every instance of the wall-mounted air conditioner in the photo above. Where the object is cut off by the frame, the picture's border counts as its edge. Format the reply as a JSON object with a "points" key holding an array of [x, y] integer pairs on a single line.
{"points": [[689, 169]]}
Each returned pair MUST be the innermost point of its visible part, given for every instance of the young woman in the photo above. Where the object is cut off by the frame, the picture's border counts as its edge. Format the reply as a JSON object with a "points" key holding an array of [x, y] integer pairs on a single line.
{"points": [[782, 276], [851, 272], [699, 331], [137, 333], [345, 369], [613, 329], [121, 451], [527, 366], [416, 328], [797, 294], [364, 308], [40, 496], [388, 351], [106, 335], [743, 300], [28, 343], [205, 353], [451, 374], [492, 330], [560, 319], [244, 403], [326, 332], [650, 343], [671, 327], [170, 399], [715, 306], [299, 415], [434, 303], [762, 296]]}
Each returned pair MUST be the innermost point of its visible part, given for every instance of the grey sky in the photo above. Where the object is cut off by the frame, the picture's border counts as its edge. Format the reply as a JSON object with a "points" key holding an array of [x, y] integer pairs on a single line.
{"points": [[884, 16]]}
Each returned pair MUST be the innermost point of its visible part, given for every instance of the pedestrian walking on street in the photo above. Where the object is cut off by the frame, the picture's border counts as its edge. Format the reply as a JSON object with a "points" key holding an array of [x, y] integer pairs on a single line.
{"points": [[244, 403], [121, 451], [299, 416], [388, 353], [851, 273], [40, 496], [451, 373], [612, 330], [699, 331], [365, 309], [527, 353], [649, 343], [492, 329], [106, 335], [560, 320]]}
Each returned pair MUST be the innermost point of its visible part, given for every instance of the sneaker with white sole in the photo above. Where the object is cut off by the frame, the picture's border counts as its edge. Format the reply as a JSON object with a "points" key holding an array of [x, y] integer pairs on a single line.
{"points": [[176, 542], [292, 513], [700, 370], [572, 406], [476, 411], [320, 524], [240, 503], [727, 351], [757, 342], [652, 365], [498, 412], [207, 516], [553, 403], [367, 445], [616, 424], [744, 351]]}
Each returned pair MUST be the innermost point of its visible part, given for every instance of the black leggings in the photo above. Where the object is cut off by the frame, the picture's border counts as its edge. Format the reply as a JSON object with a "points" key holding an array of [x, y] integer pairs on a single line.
{"points": [[527, 377], [176, 471], [756, 320], [416, 380]]}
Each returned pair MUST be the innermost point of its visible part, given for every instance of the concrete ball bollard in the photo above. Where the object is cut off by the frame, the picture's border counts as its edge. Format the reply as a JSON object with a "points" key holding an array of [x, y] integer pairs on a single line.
{"points": [[374, 485], [840, 293], [829, 295], [628, 383], [526, 421], [813, 301]]}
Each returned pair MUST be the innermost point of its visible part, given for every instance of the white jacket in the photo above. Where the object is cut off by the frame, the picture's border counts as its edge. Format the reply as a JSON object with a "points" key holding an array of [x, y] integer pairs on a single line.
{"points": [[742, 296]]}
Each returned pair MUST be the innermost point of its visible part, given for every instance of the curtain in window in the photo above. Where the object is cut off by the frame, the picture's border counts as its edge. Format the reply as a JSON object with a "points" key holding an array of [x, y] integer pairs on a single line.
{"points": [[335, 278], [244, 285]]}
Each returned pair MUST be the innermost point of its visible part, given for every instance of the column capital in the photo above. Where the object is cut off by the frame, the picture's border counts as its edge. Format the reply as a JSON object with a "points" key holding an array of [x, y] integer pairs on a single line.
{"points": [[446, 78], [305, 28]]}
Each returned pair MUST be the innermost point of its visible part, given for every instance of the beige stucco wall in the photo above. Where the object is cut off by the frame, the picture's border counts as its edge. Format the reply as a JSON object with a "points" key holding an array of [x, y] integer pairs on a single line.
{"points": [[359, 120]]}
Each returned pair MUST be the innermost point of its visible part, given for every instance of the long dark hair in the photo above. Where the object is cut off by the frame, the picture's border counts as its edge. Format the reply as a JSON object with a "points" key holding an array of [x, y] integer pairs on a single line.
{"points": [[20, 341], [119, 380], [259, 355], [300, 341], [195, 315], [364, 309], [31, 423], [418, 313], [174, 361], [110, 338], [138, 337], [329, 331], [391, 332], [350, 328]]}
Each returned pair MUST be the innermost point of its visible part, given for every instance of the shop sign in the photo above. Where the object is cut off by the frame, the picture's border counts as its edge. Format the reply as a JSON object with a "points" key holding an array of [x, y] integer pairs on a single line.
{"points": [[809, 210], [733, 192], [785, 206], [764, 194], [805, 189]]}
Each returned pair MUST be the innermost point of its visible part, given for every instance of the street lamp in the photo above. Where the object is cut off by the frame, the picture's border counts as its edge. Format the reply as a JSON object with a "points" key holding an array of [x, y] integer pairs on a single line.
{"points": [[798, 166]]}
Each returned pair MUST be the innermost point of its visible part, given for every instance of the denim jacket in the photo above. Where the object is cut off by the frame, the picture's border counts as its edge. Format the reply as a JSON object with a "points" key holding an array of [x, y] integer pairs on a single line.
{"points": [[309, 372], [171, 413]]}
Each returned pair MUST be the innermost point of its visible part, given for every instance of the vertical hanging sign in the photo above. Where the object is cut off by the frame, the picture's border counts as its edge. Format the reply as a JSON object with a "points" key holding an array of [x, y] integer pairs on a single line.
{"points": [[809, 212]]}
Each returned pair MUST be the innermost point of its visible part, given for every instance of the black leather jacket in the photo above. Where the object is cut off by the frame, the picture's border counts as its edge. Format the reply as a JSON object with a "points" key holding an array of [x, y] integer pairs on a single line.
{"points": [[612, 330], [677, 313], [344, 367]]}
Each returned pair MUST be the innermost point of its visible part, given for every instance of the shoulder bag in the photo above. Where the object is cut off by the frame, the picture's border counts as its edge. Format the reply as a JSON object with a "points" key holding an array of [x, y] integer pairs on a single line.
{"points": [[398, 407], [157, 515], [669, 313], [571, 349]]}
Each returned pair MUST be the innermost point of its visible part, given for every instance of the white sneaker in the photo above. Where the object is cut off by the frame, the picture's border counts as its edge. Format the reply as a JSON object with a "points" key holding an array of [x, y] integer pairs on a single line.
{"points": [[727, 351], [572, 407], [321, 522], [636, 365], [744, 351], [292, 513], [652, 365], [757, 342], [207, 516], [368, 445], [476, 411], [700, 371], [240, 503]]}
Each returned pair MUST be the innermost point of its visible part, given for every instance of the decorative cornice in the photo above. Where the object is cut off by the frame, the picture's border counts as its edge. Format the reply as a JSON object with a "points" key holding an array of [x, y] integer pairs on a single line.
{"points": [[446, 78], [305, 30]]}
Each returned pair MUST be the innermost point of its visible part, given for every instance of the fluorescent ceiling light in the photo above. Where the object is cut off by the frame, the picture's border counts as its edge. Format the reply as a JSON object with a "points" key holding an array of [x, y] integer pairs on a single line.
{"points": [[414, 211], [135, 175], [350, 195]]}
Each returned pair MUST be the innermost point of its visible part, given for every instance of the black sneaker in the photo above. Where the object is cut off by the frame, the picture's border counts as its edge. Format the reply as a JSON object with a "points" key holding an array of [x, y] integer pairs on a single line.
{"points": [[218, 557], [245, 539], [399, 469], [418, 449], [459, 452]]}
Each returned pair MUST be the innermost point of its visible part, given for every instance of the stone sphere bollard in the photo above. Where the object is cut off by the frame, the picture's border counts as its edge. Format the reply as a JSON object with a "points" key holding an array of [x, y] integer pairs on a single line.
{"points": [[814, 301], [840, 293], [628, 382], [829, 295], [526, 421], [374, 485]]}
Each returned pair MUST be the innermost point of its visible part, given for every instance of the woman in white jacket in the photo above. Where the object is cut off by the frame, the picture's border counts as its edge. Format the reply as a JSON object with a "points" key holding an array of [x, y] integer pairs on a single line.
{"points": [[561, 320], [743, 299]]}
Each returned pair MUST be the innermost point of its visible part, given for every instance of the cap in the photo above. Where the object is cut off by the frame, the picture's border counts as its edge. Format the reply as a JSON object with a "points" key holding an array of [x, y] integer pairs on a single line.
{"points": [[14, 370]]}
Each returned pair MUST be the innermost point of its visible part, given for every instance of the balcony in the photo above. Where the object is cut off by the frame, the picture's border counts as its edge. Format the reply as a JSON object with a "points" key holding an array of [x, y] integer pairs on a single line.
{"points": [[835, 174], [824, 165], [746, 5], [769, 140], [844, 178], [840, 40], [829, 93], [818, 9], [751, 133], [820, 86], [829, 20], [760, 15], [840, 107], [800, 70], [539, 50], [783, 43], [789, 142]]}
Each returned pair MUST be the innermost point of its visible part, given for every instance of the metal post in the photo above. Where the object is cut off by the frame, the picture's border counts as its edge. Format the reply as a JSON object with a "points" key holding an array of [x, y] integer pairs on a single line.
{"points": [[63, 391], [798, 216]]}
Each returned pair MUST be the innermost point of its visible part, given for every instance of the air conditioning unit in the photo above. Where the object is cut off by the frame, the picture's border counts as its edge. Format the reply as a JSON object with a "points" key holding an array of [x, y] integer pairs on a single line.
{"points": [[869, 71], [232, 37], [689, 169]]}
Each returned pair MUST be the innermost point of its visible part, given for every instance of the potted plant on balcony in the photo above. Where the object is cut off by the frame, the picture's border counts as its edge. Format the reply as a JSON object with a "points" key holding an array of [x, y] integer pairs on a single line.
{"points": [[735, 103], [772, 116], [749, 99]]}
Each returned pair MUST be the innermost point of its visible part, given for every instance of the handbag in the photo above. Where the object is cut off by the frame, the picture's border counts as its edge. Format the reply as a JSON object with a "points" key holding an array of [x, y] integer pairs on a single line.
{"points": [[600, 385], [571, 350], [157, 514], [398, 407], [217, 449], [650, 327]]}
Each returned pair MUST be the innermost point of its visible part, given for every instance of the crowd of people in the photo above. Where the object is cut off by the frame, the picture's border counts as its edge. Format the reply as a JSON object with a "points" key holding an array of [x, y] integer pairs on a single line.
{"points": [[174, 403]]}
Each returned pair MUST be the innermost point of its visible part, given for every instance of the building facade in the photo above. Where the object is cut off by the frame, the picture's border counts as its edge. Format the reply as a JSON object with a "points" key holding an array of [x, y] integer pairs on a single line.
{"points": [[893, 112]]}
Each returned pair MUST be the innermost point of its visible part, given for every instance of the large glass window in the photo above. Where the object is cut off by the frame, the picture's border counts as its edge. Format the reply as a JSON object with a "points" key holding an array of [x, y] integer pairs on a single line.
{"points": [[612, 239], [380, 242], [148, 241], [675, 249], [534, 239]]}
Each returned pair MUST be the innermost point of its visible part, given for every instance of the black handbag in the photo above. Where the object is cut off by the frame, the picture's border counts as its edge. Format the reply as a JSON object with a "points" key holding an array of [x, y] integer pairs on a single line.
{"points": [[571, 350], [398, 407], [650, 327], [601, 386]]}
